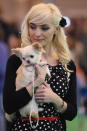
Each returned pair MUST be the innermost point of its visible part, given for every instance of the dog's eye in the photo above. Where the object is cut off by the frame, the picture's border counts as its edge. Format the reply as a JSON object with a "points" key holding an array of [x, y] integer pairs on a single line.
{"points": [[23, 58], [31, 56]]}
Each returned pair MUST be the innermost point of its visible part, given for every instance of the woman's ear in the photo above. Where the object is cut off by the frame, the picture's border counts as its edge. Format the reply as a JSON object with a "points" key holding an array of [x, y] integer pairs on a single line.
{"points": [[55, 31], [54, 36], [57, 28]]}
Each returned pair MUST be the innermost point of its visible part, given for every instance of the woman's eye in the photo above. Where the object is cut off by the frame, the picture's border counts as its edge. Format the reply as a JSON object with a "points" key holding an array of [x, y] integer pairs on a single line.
{"points": [[31, 56], [44, 27], [32, 26]]}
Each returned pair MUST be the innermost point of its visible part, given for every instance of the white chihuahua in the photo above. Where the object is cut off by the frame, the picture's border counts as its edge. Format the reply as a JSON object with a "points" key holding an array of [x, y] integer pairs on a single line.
{"points": [[26, 74]]}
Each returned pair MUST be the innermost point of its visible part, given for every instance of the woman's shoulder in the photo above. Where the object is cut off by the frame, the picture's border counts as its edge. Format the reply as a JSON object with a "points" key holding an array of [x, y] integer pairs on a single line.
{"points": [[71, 65], [13, 60]]}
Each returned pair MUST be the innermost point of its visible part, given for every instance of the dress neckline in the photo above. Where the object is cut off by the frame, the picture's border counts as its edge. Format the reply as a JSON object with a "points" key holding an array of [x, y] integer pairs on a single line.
{"points": [[53, 66]]}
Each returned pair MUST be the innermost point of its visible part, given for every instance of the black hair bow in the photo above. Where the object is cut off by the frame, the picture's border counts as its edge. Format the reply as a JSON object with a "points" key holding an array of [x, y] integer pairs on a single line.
{"points": [[63, 22]]}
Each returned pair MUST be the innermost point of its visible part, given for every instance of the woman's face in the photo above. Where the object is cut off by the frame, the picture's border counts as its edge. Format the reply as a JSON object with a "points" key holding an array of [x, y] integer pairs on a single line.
{"points": [[41, 33]]}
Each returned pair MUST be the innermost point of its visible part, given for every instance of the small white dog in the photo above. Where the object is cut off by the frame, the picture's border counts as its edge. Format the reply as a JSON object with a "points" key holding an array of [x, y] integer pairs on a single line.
{"points": [[26, 74]]}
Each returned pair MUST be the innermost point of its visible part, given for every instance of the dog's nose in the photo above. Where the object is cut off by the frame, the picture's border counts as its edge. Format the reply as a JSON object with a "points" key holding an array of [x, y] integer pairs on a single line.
{"points": [[28, 61]]}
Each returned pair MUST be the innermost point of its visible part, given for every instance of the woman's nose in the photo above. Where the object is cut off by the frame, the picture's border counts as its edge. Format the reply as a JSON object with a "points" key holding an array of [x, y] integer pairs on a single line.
{"points": [[38, 32]]}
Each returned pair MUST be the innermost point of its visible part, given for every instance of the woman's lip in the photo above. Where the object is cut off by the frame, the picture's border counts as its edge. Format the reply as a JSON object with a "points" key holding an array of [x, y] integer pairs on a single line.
{"points": [[38, 39]]}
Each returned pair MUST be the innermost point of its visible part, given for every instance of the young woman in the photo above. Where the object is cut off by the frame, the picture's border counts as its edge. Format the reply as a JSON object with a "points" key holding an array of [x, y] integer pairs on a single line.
{"points": [[44, 23]]}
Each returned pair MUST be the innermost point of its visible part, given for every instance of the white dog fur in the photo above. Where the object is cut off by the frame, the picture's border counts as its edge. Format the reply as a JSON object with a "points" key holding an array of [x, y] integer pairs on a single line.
{"points": [[26, 73]]}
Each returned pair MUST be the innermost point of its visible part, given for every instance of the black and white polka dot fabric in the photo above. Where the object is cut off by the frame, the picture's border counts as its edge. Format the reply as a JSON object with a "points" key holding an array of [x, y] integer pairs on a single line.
{"points": [[58, 83]]}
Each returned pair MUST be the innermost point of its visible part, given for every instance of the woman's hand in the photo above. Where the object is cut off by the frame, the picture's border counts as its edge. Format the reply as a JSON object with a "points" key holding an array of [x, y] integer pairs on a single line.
{"points": [[44, 94], [41, 72]]}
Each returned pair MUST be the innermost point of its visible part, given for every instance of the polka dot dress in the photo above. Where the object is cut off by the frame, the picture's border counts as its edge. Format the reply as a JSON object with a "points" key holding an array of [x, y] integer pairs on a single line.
{"points": [[59, 84]]}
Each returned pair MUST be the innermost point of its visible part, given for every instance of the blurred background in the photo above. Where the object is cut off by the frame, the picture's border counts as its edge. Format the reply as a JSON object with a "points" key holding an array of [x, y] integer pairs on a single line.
{"points": [[12, 13]]}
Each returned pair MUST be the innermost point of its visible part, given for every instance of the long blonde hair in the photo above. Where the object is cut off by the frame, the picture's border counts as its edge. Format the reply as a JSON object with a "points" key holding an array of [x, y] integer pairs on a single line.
{"points": [[40, 13]]}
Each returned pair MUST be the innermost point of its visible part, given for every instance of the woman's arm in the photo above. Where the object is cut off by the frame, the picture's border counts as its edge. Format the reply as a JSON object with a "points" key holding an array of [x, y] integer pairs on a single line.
{"points": [[70, 97], [12, 99], [67, 107]]}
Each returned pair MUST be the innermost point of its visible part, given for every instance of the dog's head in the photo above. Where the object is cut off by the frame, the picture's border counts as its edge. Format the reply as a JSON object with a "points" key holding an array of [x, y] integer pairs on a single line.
{"points": [[30, 54]]}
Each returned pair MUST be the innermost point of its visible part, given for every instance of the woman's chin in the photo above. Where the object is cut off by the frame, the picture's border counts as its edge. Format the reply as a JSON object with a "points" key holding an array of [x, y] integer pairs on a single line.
{"points": [[42, 42]]}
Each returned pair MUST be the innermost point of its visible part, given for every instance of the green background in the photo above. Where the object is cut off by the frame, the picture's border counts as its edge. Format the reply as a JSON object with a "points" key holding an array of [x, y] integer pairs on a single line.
{"points": [[79, 123]]}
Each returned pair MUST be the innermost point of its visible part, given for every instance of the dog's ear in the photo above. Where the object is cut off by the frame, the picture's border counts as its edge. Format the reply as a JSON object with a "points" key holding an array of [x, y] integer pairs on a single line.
{"points": [[38, 46], [17, 52]]}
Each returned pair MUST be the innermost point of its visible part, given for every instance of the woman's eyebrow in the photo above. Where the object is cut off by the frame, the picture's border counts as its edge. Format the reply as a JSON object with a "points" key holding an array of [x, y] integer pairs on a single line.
{"points": [[32, 24]]}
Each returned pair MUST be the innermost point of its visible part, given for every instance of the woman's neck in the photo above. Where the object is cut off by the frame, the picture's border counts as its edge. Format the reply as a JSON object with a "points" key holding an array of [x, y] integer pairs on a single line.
{"points": [[51, 60], [48, 50]]}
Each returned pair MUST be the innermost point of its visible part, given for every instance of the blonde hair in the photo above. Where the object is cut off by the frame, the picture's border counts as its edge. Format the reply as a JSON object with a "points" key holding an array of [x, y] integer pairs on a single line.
{"points": [[40, 13]]}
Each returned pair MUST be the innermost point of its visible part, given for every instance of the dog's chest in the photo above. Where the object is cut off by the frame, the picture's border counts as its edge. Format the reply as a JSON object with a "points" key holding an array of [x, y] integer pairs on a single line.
{"points": [[25, 74]]}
